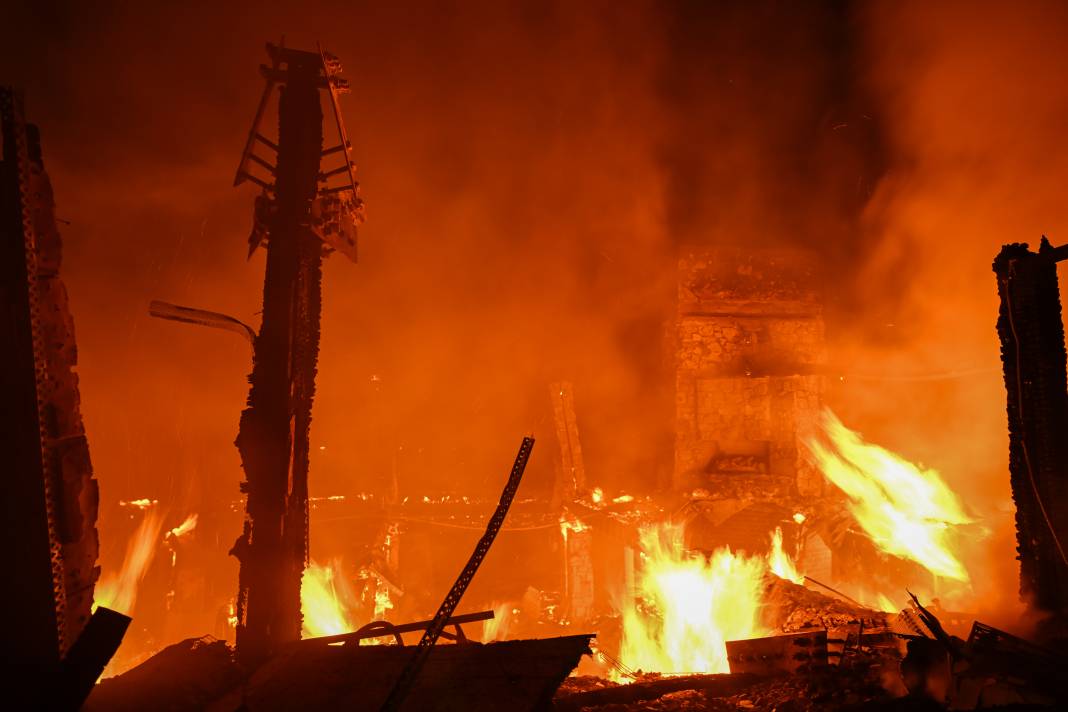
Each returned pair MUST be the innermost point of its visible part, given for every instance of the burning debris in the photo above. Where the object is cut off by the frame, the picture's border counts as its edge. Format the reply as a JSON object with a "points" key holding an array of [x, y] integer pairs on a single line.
{"points": [[700, 604], [757, 557], [907, 511]]}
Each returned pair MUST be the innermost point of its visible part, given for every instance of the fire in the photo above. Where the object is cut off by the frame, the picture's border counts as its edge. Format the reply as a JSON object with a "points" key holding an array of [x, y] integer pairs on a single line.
{"points": [[696, 605], [119, 592], [187, 525], [324, 613], [496, 628], [571, 523], [383, 603], [780, 562], [907, 510]]}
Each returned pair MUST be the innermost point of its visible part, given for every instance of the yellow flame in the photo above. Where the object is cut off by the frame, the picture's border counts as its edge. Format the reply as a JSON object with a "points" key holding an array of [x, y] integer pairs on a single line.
{"points": [[497, 627], [597, 495], [187, 525], [908, 511], [886, 605], [698, 604], [571, 523], [324, 614], [382, 601], [119, 592], [780, 562]]}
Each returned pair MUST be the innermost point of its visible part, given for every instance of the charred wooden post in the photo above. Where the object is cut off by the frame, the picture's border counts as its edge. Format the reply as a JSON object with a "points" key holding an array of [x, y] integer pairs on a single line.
{"points": [[1033, 356], [49, 510], [571, 474], [296, 214]]}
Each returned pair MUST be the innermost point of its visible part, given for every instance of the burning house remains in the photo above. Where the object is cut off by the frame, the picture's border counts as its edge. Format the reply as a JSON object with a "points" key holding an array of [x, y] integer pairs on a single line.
{"points": [[750, 357], [751, 490]]}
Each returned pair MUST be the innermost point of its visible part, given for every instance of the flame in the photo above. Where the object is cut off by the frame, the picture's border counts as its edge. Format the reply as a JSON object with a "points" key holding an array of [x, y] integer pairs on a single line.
{"points": [[324, 614], [886, 605], [597, 495], [382, 601], [143, 503], [780, 562], [497, 627], [571, 523], [908, 511], [697, 604], [188, 525], [119, 593]]}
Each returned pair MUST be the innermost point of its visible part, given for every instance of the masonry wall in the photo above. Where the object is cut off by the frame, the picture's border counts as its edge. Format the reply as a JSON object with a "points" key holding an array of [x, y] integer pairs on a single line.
{"points": [[749, 355]]}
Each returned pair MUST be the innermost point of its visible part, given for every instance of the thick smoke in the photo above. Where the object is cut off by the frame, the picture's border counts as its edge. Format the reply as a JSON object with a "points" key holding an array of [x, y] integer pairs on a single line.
{"points": [[972, 98], [529, 169]]}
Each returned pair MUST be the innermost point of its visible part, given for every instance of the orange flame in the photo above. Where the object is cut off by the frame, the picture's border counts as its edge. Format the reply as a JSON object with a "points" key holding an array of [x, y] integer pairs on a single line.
{"points": [[780, 562], [697, 603], [324, 614], [119, 593], [907, 510]]}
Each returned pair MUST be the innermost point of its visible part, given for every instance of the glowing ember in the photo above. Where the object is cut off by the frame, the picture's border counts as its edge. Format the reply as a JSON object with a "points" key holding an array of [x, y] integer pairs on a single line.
{"points": [[323, 611], [695, 604], [597, 495], [780, 562], [908, 511], [119, 593], [139, 503]]}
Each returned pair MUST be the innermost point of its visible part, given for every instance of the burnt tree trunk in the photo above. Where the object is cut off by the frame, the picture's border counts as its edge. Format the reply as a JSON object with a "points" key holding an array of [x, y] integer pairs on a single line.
{"points": [[1034, 360]]}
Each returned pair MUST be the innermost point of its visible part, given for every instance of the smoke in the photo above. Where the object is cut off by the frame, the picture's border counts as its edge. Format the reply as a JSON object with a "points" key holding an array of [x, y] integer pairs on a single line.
{"points": [[973, 101], [529, 169]]}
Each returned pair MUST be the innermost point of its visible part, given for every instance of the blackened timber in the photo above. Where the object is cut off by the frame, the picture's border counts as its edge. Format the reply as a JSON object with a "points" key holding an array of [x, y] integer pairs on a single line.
{"points": [[87, 658], [48, 518], [32, 646], [273, 434], [1034, 360]]}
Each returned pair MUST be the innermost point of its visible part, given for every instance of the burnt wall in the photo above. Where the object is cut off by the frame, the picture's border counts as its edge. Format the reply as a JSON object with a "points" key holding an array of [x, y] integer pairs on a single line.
{"points": [[750, 348]]}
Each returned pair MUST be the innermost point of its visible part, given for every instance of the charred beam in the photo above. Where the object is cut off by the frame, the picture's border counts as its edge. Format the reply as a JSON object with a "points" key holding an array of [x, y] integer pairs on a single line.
{"points": [[1034, 361], [50, 498]]}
